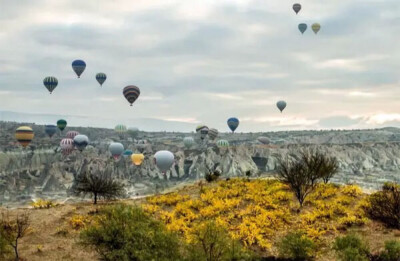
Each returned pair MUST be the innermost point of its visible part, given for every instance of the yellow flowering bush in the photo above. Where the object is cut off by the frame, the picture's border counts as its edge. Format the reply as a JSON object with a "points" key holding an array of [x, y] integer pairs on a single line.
{"points": [[351, 190], [79, 221], [42, 203]]}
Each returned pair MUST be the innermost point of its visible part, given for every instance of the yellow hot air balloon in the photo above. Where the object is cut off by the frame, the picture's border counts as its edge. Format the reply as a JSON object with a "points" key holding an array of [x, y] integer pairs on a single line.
{"points": [[24, 135], [137, 159]]}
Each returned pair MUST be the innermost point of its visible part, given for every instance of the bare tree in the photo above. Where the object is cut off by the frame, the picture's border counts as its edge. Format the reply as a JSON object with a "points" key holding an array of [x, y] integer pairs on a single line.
{"points": [[13, 229], [99, 183]]}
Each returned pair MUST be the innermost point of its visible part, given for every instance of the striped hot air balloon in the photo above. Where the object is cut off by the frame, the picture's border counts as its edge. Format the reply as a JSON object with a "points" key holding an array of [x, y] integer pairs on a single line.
{"points": [[101, 78], [213, 133], [223, 144], [131, 93], [50, 83], [24, 135], [67, 146], [188, 142], [61, 124], [71, 134], [78, 66], [120, 129]]}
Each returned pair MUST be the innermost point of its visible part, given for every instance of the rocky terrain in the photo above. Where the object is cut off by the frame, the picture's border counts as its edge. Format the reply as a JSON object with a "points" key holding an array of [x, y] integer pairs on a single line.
{"points": [[367, 158]]}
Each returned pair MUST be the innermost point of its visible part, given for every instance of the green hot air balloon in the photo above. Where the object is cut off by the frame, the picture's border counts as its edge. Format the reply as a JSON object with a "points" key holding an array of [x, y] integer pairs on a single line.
{"points": [[223, 144], [302, 28], [120, 129], [61, 124], [316, 27], [188, 142]]}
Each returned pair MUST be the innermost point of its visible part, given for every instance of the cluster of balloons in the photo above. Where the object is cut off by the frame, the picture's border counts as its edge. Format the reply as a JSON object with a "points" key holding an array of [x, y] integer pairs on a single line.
{"points": [[303, 27], [130, 92]]}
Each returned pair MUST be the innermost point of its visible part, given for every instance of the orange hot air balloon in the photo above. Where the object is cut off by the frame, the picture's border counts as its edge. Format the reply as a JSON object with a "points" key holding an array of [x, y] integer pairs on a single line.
{"points": [[137, 159], [24, 135]]}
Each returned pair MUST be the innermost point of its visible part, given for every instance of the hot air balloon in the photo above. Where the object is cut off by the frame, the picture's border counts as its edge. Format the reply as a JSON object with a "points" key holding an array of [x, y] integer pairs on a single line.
{"points": [[71, 134], [233, 123], [131, 93], [137, 159], [316, 27], [50, 130], [127, 153], [302, 28], [281, 105], [24, 135], [78, 66], [50, 83], [141, 145], [116, 149], [81, 141], [223, 144], [67, 146], [199, 127], [164, 160], [61, 124], [120, 128], [204, 132], [264, 140], [213, 133], [297, 8], [101, 78], [133, 130], [188, 142]]}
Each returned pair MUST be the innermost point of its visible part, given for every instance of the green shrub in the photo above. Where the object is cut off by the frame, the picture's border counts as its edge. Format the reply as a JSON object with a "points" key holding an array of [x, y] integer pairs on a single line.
{"points": [[391, 252], [385, 205], [126, 233], [213, 243], [351, 248], [212, 176], [296, 245]]}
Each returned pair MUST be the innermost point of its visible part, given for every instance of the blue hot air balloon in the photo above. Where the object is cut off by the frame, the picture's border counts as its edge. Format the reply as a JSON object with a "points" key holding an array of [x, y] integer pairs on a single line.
{"points": [[50, 130], [281, 105], [78, 66], [101, 78], [50, 83], [233, 123], [302, 28]]}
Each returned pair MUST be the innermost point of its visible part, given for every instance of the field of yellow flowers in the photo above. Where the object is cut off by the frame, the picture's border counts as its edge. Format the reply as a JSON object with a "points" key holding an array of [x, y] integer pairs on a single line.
{"points": [[259, 212]]}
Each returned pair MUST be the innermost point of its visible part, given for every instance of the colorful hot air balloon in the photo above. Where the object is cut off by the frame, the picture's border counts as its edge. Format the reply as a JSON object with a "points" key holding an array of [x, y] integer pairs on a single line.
{"points": [[199, 127], [71, 134], [24, 135], [297, 8], [302, 28], [50, 130], [81, 141], [131, 93], [164, 160], [61, 124], [213, 133], [223, 144], [204, 132], [188, 142], [50, 83], [281, 105], [233, 123], [264, 140], [116, 149], [137, 159], [127, 153], [67, 146], [316, 27], [120, 129], [78, 66], [101, 78]]}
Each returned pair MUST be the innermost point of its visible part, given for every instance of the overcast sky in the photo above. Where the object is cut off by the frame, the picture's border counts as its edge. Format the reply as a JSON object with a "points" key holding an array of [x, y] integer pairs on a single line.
{"points": [[203, 61]]}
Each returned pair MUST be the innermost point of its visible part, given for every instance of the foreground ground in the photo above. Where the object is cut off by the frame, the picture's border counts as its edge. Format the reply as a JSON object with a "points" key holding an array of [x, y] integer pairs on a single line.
{"points": [[257, 212]]}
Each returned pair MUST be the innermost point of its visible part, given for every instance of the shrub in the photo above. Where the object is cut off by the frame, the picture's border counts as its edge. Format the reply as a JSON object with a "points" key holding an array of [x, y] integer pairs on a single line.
{"points": [[42, 203], [296, 245], [384, 205], [79, 221], [212, 176], [126, 233], [351, 248], [391, 252]]}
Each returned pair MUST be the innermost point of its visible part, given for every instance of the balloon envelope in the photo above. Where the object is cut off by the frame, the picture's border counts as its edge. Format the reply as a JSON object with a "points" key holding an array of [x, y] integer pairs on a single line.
{"points": [[50, 83], [302, 28], [204, 132], [120, 128], [131, 93], [81, 141], [67, 146], [127, 153], [316, 27], [24, 135], [164, 160], [223, 143], [188, 142], [281, 105], [78, 66], [101, 78], [71, 134], [50, 130], [297, 8], [233, 123], [213, 133], [264, 140], [61, 124], [116, 149], [137, 159]]}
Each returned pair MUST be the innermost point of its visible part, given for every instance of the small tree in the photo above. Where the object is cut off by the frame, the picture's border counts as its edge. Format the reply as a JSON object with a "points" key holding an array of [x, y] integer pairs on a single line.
{"points": [[13, 229], [98, 183]]}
